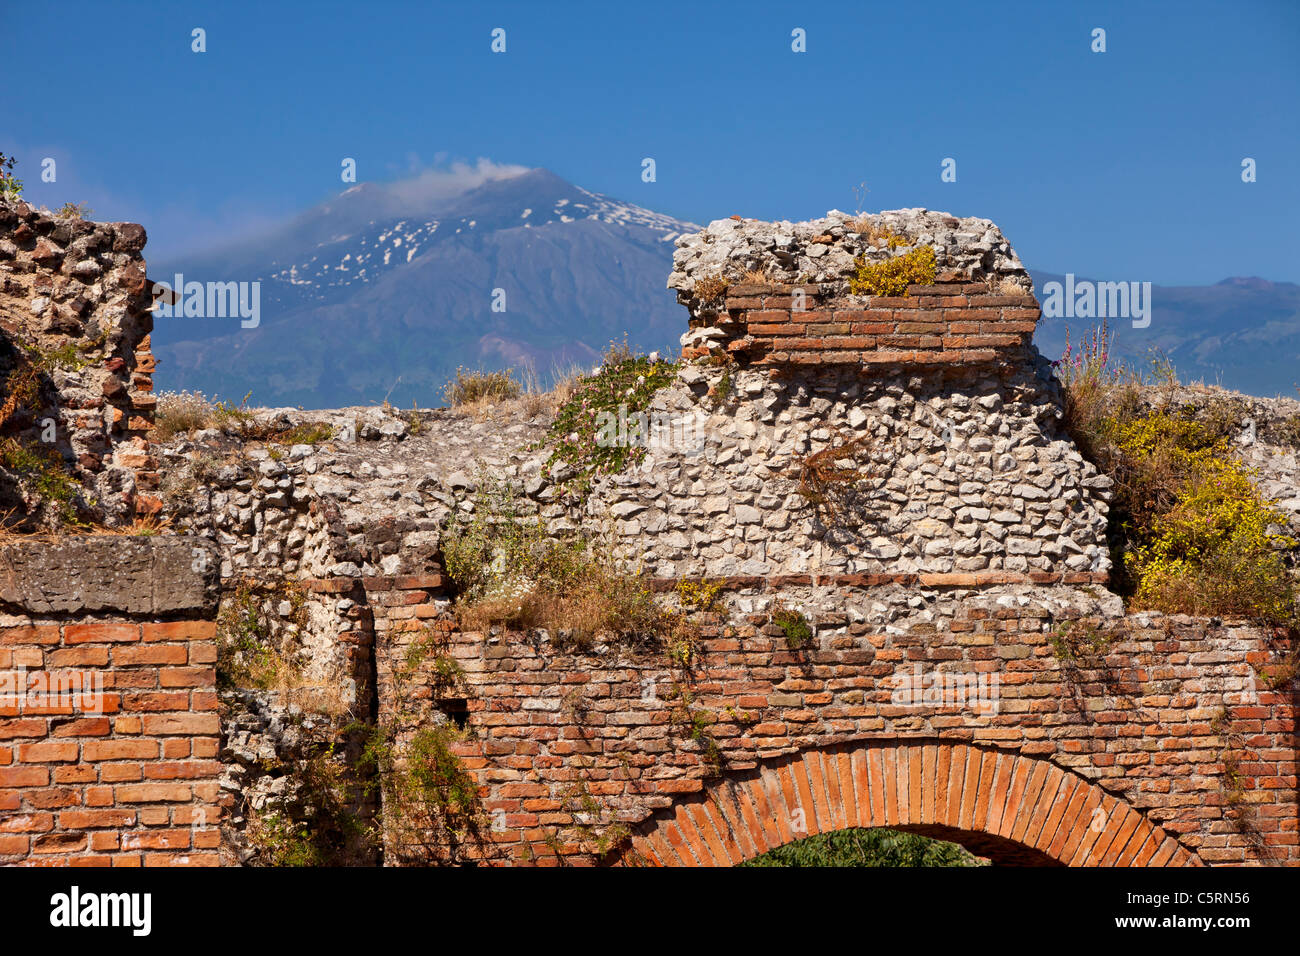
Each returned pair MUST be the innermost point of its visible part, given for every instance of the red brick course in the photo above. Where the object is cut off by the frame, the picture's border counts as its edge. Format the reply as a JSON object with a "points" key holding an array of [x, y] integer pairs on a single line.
{"points": [[949, 323]]}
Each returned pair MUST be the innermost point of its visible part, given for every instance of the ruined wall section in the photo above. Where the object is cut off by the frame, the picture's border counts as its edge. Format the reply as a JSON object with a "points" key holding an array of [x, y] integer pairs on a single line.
{"points": [[783, 293], [973, 541], [965, 474], [75, 366], [577, 753], [108, 706], [795, 388]]}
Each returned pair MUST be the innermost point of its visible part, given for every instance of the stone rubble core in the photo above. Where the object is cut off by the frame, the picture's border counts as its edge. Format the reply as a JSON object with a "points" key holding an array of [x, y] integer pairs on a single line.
{"points": [[965, 472], [778, 294], [73, 282]]}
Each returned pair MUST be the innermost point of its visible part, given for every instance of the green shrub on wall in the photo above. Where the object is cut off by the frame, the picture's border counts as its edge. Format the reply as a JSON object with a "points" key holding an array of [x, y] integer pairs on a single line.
{"points": [[1190, 531], [585, 434]]}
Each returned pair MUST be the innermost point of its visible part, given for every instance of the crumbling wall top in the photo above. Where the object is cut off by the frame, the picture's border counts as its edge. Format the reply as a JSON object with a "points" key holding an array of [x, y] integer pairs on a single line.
{"points": [[908, 287]]}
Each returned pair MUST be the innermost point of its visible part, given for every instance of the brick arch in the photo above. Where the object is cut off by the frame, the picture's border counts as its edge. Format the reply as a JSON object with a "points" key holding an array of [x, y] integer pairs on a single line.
{"points": [[1011, 807]]}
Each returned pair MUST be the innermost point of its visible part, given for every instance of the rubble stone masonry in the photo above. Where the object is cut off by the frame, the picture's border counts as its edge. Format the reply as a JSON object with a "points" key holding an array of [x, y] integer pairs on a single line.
{"points": [[74, 313]]}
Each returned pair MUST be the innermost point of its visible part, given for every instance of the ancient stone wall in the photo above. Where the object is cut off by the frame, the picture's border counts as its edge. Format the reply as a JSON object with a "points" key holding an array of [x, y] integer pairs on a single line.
{"points": [[108, 705], [970, 557], [934, 396], [75, 366]]}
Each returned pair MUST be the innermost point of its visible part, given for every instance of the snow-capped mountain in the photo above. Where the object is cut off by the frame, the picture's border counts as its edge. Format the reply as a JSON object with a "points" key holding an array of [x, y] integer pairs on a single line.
{"points": [[376, 293], [383, 291]]}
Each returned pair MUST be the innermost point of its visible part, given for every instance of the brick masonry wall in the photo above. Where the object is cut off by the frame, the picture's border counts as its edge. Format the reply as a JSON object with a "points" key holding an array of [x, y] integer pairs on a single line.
{"points": [[125, 772], [1118, 757], [1160, 742]]}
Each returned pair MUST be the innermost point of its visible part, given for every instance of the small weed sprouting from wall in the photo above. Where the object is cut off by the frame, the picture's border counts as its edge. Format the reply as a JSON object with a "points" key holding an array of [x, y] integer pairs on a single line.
{"points": [[892, 276], [742, 718], [180, 413], [876, 233], [74, 210], [10, 187], [700, 595], [443, 672], [600, 838], [307, 433], [41, 483], [1007, 285], [430, 802], [257, 643], [414, 422], [1232, 784], [798, 632], [594, 830], [710, 288], [1080, 646], [682, 648], [723, 391], [720, 394], [281, 841], [45, 475], [318, 821], [693, 722], [829, 479], [70, 356], [435, 779], [246, 656], [1284, 668], [238, 420]]}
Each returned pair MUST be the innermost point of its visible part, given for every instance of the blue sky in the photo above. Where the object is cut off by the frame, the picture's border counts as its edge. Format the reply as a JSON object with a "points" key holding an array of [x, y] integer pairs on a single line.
{"points": [[1125, 163]]}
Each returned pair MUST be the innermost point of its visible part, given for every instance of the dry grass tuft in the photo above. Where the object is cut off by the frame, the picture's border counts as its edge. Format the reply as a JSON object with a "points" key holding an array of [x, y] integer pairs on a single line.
{"points": [[477, 387], [566, 383], [509, 572], [140, 526], [709, 288], [876, 233], [531, 401], [182, 413]]}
